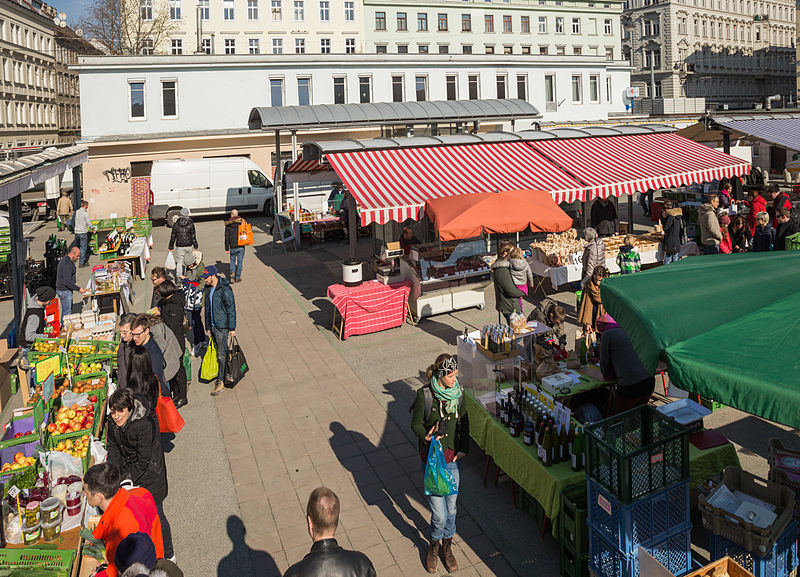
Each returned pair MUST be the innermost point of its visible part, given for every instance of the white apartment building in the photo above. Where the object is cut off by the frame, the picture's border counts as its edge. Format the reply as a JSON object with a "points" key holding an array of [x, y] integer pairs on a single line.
{"points": [[731, 52], [539, 27]]}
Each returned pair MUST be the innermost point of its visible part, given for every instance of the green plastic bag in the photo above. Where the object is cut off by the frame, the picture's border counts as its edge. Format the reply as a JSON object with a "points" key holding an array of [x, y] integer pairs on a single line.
{"points": [[438, 478], [187, 364], [209, 370]]}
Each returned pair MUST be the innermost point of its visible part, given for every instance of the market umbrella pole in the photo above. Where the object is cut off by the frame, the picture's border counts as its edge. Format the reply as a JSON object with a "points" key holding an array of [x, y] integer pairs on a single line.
{"points": [[630, 214], [351, 215]]}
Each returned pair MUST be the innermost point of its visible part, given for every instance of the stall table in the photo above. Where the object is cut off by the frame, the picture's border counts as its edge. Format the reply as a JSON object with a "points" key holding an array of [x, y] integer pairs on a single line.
{"points": [[369, 307], [561, 275]]}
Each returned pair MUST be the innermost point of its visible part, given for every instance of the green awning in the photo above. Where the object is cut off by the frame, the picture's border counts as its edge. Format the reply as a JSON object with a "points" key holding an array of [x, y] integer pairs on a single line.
{"points": [[726, 325]]}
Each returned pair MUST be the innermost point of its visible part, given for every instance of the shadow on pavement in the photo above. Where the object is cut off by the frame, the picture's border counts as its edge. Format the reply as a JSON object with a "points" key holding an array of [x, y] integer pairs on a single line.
{"points": [[753, 433], [243, 560]]}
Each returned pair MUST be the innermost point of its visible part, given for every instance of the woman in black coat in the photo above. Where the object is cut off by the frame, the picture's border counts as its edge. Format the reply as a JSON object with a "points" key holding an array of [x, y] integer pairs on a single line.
{"points": [[671, 222], [170, 309], [134, 445]]}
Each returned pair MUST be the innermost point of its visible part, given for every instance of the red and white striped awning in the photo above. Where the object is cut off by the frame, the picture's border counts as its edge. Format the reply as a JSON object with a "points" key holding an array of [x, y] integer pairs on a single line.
{"points": [[301, 165], [615, 165], [393, 184]]}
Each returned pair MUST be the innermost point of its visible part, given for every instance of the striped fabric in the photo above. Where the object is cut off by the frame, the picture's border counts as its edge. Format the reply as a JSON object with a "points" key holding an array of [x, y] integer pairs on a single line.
{"points": [[301, 165], [616, 165], [393, 184]]}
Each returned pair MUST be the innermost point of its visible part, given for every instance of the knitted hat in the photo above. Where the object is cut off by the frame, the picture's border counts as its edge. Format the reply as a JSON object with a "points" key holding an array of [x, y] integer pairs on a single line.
{"points": [[135, 548], [725, 219], [45, 294], [188, 258]]}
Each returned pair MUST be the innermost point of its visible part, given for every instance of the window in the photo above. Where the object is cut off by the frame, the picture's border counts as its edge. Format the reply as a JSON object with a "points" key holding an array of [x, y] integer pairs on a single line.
{"points": [[324, 10], [451, 83], [576, 25], [349, 11], [543, 50], [402, 21], [325, 46], [682, 25], [169, 98], [508, 50], [608, 89], [380, 20], [277, 10], [227, 9], [339, 90], [230, 46], [421, 88], [607, 27], [397, 89], [576, 88], [136, 90], [253, 46], [658, 89], [522, 87], [507, 25], [444, 49], [472, 85], [205, 10], [146, 47], [422, 22], [501, 86], [466, 49], [299, 10], [174, 9], [205, 45], [304, 91], [277, 45], [609, 53], [176, 45], [542, 24], [594, 88], [466, 23], [364, 89], [488, 23], [525, 24], [441, 22], [146, 10], [422, 48], [349, 45], [489, 48], [381, 49], [550, 88], [402, 48], [252, 9], [577, 50], [299, 45], [276, 91], [559, 24]]}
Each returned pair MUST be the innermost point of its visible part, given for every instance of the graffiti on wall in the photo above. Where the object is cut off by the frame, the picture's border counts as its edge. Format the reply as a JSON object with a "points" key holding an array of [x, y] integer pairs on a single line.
{"points": [[117, 174]]}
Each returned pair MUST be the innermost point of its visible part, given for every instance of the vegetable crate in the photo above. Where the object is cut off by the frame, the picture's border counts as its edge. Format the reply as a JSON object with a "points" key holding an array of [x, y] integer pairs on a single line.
{"points": [[572, 564], [69, 434], [573, 530], [725, 567], [780, 561], [673, 552], [636, 453], [29, 422], [28, 449], [53, 562], [645, 521], [82, 347], [53, 442], [793, 242], [711, 404]]}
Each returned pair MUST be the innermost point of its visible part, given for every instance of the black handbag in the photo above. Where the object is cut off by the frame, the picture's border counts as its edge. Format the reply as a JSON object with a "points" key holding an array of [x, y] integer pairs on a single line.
{"points": [[235, 364]]}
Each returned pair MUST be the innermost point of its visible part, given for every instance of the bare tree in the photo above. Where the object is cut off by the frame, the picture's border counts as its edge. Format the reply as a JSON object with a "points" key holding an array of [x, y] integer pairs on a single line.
{"points": [[129, 26]]}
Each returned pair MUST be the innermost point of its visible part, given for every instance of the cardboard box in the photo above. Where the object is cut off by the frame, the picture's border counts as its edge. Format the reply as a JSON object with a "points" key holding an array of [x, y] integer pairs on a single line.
{"points": [[6, 355]]}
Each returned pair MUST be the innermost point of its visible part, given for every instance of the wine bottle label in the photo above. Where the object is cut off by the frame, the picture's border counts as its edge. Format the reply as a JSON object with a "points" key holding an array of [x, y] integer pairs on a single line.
{"points": [[574, 461], [542, 453], [527, 439]]}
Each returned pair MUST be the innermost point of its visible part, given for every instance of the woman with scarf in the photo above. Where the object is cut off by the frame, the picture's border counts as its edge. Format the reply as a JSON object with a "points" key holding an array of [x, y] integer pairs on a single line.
{"points": [[439, 412]]}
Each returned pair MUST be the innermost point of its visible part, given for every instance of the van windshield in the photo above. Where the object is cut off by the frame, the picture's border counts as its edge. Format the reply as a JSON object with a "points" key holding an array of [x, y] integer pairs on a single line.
{"points": [[257, 178]]}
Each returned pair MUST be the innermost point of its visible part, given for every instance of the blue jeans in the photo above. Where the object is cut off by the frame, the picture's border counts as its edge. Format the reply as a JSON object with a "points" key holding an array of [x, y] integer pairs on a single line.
{"points": [[443, 509], [83, 242], [671, 258], [220, 337], [237, 258], [65, 298]]}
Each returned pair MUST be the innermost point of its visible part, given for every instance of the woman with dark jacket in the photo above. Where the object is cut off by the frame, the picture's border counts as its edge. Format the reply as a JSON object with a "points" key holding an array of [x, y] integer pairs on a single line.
{"points": [[170, 309], [506, 293], [134, 445], [672, 223], [125, 347], [740, 234], [439, 411], [141, 379]]}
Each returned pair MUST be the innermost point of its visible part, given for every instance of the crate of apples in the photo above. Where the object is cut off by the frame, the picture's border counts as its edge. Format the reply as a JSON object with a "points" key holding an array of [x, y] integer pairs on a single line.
{"points": [[81, 348], [86, 385], [72, 418], [84, 368], [49, 346], [20, 462], [75, 447]]}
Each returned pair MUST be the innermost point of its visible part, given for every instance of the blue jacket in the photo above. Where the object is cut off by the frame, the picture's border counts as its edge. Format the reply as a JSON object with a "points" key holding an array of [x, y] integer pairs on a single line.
{"points": [[224, 306]]}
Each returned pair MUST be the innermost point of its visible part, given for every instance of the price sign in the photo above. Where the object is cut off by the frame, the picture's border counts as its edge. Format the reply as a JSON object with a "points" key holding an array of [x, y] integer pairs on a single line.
{"points": [[48, 387], [48, 366], [13, 492]]}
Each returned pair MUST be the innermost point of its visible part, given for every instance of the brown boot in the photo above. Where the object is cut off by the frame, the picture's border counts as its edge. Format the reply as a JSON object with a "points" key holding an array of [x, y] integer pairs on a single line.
{"points": [[447, 556], [431, 559]]}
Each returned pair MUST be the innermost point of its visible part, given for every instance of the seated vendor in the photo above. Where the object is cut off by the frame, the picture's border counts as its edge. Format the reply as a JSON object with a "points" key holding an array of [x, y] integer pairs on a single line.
{"points": [[33, 323], [407, 239], [619, 362], [550, 313]]}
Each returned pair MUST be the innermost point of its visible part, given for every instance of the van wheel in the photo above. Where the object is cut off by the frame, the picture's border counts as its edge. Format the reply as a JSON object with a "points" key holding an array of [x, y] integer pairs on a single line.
{"points": [[268, 212], [172, 217]]}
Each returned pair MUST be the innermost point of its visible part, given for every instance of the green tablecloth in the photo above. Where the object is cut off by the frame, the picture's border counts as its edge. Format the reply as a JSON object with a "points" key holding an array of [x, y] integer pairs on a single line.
{"points": [[545, 484]]}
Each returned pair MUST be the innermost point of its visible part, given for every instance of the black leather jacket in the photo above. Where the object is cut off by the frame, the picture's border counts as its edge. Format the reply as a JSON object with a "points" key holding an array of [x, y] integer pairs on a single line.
{"points": [[329, 559], [183, 233]]}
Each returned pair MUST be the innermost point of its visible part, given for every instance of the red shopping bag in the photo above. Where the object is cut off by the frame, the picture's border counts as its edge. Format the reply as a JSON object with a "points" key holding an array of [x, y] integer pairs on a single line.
{"points": [[169, 419]]}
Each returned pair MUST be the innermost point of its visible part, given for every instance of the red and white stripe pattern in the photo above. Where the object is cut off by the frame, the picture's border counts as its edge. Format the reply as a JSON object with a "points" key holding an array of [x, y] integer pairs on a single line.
{"points": [[301, 165], [616, 165], [393, 184]]}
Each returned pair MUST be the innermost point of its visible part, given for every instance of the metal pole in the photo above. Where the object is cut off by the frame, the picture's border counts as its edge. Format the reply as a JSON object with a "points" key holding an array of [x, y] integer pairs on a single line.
{"points": [[278, 174], [630, 214], [294, 184], [199, 29], [726, 142], [18, 255], [77, 186], [352, 229], [652, 76]]}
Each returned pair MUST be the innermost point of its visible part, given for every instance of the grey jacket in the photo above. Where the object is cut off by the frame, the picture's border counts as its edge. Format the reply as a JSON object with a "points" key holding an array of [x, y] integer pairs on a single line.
{"points": [[82, 221], [521, 272], [172, 350], [710, 233], [594, 255]]}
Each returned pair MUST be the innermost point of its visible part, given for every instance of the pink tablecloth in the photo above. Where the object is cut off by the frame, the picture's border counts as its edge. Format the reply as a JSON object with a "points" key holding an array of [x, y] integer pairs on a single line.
{"points": [[370, 307]]}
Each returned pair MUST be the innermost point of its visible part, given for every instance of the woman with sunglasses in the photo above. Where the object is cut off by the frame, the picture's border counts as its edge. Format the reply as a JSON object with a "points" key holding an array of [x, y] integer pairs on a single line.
{"points": [[438, 412]]}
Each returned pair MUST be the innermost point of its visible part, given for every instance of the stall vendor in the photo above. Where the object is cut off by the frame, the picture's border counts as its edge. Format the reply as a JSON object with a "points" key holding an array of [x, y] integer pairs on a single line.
{"points": [[407, 240], [550, 313], [619, 362], [33, 323], [337, 188]]}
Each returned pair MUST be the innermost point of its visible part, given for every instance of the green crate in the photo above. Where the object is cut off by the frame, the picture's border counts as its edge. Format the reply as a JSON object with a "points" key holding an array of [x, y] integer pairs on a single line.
{"points": [[106, 223], [793, 242], [711, 404], [19, 561], [531, 506], [572, 564], [573, 530], [52, 440]]}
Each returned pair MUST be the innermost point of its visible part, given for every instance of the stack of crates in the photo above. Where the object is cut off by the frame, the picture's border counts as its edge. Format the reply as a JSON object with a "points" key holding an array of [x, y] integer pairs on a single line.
{"points": [[780, 560], [637, 493], [573, 534], [5, 244]]}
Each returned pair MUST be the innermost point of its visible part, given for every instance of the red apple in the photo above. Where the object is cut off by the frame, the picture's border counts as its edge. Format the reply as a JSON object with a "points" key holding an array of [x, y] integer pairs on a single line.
{"points": [[93, 399], [52, 428], [62, 427]]}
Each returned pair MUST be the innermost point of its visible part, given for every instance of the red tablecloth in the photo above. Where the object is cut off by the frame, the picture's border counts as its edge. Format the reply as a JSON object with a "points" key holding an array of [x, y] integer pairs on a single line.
{"points": [[370, 307]]}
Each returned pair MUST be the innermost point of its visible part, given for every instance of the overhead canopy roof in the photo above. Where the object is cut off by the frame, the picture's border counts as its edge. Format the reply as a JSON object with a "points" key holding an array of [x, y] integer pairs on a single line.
{"points": [[743, 356], [302, 165], [17, 176], [783, 131], [382, 113]]}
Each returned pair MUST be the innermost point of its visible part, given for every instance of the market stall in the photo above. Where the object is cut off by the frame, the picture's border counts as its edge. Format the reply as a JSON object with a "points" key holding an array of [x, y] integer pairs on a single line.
{"points": [[110, 287], [128, 239], [368, 308]]}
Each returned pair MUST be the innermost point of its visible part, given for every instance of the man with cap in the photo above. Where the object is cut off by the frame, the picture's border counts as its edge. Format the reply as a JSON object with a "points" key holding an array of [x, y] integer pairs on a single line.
{"points": [[220, 307], [33, 322], [336, 189], [65, 280], [182, 240], [619, 362]]}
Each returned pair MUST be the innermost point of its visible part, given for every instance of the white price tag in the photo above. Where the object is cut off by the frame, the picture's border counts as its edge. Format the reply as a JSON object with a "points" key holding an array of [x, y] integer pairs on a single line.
{"points": [[13, 492]]}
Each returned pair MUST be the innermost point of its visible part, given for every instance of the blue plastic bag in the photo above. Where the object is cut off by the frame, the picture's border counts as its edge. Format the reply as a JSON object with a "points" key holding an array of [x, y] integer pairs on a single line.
{"points": [[438, 479]]}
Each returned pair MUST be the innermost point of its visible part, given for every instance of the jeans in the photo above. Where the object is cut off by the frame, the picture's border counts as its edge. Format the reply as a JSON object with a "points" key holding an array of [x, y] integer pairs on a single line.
{"points": [[671, 258], [237, 258], [710, 249], [220, 337], [83, 241], [178, 383], [179, 253], [196, 319], [65, 299], [443, 509]]}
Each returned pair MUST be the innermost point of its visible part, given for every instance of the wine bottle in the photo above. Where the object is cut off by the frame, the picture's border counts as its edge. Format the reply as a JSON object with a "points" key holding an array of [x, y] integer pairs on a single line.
{"points": [[577, 452], [555, 454], [546, 449]]}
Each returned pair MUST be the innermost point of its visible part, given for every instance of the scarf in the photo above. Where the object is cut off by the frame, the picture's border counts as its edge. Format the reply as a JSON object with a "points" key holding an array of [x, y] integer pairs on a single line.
{"points": [[448, 396]]}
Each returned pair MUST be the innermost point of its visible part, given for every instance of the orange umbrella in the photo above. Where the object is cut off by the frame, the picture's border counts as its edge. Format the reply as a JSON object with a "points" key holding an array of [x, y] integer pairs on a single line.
{"points": [[467, 215]]}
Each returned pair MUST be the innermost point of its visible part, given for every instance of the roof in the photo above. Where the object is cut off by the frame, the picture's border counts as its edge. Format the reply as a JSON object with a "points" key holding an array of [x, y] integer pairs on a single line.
{"points": [[378, 113], [17, 176], [783, 131]]}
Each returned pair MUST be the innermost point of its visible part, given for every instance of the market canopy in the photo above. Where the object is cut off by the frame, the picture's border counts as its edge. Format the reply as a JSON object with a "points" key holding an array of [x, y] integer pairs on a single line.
{"points": [[779, 131], [616, 165], [394, 184], [303, 165], [502, 212], [725, 325]]}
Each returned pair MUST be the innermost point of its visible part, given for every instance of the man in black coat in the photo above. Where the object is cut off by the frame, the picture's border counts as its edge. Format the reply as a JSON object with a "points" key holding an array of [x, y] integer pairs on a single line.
{"points": [[604, 217], [786, 227], [326, 556]]}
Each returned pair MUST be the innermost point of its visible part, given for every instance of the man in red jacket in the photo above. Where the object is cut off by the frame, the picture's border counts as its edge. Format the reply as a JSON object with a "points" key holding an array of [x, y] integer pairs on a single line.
{"points": [[756, 203], [779, 200], [124, 511]]}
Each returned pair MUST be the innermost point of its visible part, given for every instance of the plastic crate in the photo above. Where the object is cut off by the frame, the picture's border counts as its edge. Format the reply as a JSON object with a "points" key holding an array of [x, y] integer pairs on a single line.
{"points": [[57, 561], [780, 562], [784, 469], [572, 564], [7, 456], [636, 453], [793, 242], [572, 522], [725, 567], [643, 522], [673, 552]]}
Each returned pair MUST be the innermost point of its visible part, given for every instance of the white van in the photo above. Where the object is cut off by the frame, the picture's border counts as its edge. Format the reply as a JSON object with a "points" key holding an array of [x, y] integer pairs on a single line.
{"points": [[208, 186]]}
